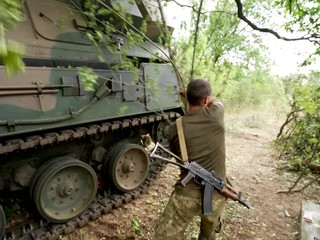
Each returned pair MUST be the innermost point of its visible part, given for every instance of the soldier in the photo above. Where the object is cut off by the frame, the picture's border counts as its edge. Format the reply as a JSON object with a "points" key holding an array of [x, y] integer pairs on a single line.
{"points": [[204, 132]]}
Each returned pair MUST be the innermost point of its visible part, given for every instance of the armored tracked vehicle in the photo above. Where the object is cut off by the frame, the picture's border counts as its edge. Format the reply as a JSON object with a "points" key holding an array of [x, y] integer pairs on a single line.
{"points": [[68, 155]]}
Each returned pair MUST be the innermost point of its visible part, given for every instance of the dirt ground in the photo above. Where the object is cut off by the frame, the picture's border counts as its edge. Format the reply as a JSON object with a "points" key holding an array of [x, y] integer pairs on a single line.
{"points": [[253, 168]]}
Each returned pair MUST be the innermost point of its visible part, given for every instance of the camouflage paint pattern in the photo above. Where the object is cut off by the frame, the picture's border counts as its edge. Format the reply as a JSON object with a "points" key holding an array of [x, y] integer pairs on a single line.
{"points": [[49, 98], [181, 210], [55, 46]]}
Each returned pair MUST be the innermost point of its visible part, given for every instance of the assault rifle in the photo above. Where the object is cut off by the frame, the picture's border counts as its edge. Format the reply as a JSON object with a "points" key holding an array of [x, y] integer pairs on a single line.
{"points": [[205, 178]]}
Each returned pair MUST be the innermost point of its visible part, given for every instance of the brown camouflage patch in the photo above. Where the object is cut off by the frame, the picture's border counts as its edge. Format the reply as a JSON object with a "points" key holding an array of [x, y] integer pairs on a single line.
{"points": [[180, 211]]}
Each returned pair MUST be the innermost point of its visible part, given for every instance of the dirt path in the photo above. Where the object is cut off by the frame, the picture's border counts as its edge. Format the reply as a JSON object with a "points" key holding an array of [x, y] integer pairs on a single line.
{"points": [[251, 166]]}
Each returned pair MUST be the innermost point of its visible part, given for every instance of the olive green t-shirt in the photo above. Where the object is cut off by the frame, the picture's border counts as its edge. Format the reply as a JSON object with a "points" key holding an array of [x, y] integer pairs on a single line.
{"points": [[205, 139]]}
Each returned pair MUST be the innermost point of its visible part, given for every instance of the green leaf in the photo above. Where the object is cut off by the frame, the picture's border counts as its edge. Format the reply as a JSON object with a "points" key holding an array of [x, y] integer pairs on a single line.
{"points": [[13, 60], [13, 63], [3, 46], [88, 78], [135, 226]]}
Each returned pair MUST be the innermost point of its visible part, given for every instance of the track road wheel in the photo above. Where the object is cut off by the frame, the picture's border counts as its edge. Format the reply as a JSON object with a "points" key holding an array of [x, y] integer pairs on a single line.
{"points": [[2, 222], [160, 132], [63, 189], [127, 166]]}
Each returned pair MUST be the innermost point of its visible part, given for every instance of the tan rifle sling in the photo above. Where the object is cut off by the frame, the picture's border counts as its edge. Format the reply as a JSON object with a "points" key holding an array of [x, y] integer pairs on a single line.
{"points": [[182, 141]]}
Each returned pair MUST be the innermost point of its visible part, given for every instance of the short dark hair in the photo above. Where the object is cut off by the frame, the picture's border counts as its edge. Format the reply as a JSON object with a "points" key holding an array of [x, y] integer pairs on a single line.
{"points": [[197, 90]]}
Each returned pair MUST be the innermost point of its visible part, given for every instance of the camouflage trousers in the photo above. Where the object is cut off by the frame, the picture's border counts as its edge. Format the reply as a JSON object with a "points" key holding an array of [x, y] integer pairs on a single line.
{"points": [[181, 210]]}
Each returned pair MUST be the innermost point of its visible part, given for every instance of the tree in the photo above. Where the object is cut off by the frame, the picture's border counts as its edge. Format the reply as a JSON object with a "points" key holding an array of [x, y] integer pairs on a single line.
{"points": [[298, 139], [216, 37], [222, 49], [302, 19], [11, 52]]}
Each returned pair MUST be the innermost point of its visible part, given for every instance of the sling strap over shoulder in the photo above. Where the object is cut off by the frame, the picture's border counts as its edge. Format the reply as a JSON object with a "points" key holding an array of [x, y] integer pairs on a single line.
{"points": [[182, 141]]}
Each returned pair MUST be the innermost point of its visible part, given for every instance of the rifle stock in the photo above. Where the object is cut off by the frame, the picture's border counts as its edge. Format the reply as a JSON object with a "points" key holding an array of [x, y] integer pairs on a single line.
{"points": [[231, 193]]}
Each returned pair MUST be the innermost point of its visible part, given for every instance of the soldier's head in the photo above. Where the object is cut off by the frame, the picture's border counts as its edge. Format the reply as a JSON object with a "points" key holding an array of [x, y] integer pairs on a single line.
{"points": [[198, 92]]}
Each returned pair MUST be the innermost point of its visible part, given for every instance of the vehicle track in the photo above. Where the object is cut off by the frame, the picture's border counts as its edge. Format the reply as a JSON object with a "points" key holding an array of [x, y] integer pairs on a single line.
{"points": [[39, 228]]}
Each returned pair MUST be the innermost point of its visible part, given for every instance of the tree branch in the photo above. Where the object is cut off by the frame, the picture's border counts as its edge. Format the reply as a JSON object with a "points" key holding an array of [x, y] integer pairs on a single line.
{"points": [[290, 117], [309, 37], [195, 41], [168, 38], [182, 5]]}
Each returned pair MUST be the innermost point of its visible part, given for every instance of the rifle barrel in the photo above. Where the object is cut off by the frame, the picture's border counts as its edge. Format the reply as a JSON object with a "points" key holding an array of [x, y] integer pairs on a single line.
{"points": [[243, 203]]}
